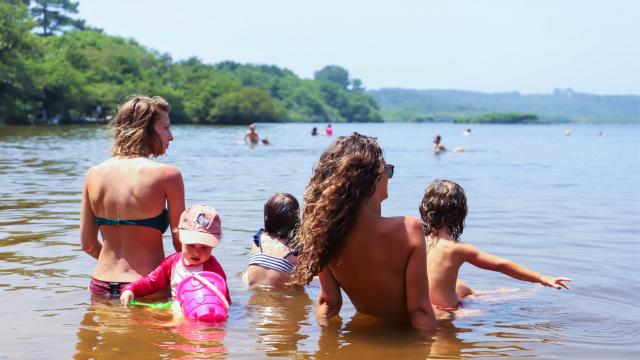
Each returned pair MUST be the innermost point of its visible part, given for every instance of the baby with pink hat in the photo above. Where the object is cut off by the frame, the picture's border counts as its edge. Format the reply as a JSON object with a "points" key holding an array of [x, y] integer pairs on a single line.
{"points": [[200, 230]]}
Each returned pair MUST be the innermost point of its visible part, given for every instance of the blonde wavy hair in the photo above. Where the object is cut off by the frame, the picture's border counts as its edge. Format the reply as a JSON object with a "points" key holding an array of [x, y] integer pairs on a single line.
{"points": [[343, 179], [133, 127]]}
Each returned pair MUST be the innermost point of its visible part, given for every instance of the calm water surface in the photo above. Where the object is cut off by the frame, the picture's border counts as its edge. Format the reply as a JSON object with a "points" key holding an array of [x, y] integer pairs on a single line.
{"points": [[563, 205]]}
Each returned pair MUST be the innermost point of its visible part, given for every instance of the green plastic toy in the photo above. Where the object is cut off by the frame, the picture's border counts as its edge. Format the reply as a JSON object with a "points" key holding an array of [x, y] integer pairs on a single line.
{"points": [[160, 305]]}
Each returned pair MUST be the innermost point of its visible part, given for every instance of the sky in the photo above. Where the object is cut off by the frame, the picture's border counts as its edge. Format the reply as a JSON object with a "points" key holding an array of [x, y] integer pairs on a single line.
{"points": [[530, 46]]}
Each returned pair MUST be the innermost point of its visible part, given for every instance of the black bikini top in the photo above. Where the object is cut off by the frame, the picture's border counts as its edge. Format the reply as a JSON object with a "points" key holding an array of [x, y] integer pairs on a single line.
{"points": [[160, 222]]}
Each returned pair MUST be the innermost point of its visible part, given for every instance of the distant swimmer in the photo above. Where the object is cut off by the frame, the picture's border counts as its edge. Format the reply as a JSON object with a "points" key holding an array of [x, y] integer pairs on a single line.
{"points": [[265, 141], [467, 132], [328, 131], [252, 136], [567, 132], [314, 131], [437, 146]]}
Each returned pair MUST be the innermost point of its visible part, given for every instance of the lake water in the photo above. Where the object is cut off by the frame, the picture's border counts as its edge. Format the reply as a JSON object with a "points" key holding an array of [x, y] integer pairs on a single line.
{"points": [[562, 205]]}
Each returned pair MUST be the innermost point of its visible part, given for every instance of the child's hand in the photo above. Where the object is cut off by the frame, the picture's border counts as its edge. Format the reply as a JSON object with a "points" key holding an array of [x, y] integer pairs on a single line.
{"points": [[126, 297], [557, 283]]}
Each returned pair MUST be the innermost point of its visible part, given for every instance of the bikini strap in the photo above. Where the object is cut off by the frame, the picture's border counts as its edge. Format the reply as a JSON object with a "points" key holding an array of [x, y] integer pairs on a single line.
{"points": [[256, 239]]}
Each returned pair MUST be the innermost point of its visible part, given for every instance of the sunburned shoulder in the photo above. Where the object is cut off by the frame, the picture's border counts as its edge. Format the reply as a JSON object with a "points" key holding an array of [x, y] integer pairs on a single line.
{"points": [[410, 227], [169, 170], [96, 170]]}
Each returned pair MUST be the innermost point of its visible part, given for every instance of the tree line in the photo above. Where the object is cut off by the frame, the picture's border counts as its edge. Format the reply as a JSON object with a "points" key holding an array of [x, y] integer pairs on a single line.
{"points": [[55, 66], [562, 105]]}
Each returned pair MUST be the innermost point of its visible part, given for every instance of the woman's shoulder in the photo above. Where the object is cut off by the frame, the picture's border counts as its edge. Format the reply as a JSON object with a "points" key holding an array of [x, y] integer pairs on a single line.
{"points": [[409, 223], [407, 227], [99, 168], [145, 166], [159, 170], [168, 170]]}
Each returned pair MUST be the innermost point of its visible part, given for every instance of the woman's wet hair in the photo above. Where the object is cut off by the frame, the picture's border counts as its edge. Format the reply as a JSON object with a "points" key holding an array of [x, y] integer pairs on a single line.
{"points": [[133, 127], [343, 179], [282, 218], [444, 204]]}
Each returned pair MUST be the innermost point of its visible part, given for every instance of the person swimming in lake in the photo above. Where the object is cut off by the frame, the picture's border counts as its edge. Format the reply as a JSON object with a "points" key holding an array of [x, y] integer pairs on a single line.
{"points": [[437, 146], [274, 252], [251, 137], [379, 262], [314, 131], [467, 132], [200, 231], [328, 131], [443, 210]]}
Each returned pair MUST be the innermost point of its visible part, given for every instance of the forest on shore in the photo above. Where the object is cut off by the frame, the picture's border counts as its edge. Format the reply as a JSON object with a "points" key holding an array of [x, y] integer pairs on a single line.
{"points": [[54, 66], [560, 106]]}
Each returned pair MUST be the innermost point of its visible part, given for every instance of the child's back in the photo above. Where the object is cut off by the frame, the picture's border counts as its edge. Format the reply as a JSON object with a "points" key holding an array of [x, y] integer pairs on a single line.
{"points": [[274, 251], [444, 260]]}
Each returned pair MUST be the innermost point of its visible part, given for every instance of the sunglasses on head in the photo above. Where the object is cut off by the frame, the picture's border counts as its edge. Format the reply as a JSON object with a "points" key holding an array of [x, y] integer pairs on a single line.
{"points": [[389, 170]]}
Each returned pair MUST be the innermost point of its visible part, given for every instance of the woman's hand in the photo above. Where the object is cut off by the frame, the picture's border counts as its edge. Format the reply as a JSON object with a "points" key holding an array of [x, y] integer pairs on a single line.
{"points": [[557, 283], [126, 297]]}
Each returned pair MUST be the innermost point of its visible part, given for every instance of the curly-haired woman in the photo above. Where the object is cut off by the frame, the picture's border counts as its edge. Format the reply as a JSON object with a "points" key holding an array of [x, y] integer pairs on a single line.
{"points": [[124, 198], [380, 262]]}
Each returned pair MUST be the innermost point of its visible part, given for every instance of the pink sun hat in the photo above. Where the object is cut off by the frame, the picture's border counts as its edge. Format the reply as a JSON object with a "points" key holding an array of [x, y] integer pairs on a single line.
{"points": [[200, 224]]}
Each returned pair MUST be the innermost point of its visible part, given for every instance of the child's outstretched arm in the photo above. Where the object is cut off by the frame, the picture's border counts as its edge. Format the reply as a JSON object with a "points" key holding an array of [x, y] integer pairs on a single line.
{"points": [[330, 298], [484, 260]]}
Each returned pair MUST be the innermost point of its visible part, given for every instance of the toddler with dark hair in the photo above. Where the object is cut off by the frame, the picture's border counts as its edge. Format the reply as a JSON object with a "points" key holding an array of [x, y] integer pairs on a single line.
{"points": [[274, 251], [443, 211]]}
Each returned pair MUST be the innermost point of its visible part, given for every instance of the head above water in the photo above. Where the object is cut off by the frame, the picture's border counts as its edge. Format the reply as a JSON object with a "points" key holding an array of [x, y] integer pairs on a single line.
{"points": [[282, 217], [437, 139], [343, 180], [444, 205], [134, 127]]}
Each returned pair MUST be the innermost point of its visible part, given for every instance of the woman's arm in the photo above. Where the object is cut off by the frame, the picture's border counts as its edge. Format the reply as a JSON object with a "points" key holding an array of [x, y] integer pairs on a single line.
{"points": [[174, 190], [88, 227], [484, 260], [416, 281], [330, 298]]}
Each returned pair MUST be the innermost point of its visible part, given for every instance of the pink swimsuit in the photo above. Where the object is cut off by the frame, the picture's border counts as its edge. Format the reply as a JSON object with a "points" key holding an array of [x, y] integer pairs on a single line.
{"points": [[171, 271]]}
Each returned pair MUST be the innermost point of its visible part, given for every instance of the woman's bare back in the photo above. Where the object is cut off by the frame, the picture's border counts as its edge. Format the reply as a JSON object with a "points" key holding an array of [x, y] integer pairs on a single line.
{"points": [[371, 266], [132, 189]]}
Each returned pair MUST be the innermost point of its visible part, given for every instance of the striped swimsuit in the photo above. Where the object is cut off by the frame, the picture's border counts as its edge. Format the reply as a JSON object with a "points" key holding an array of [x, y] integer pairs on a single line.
{"points": [[269, 261]]}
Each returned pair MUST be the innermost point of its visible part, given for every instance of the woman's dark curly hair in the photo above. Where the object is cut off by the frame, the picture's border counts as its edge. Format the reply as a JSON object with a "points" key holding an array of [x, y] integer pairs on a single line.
{"points": [[444, 205], [343, 179], [282, 219]]}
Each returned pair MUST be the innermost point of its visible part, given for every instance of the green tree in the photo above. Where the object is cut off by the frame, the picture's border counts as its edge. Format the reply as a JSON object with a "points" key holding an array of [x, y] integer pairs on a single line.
{"points": [[333, 74], [245, 106], [53, 16], [356, 85], [19, 53]]}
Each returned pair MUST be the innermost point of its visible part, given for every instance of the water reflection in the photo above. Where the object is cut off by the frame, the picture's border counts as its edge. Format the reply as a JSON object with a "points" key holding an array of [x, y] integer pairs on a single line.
{"points": [[109, 330], [277, 316], [365, 337]]}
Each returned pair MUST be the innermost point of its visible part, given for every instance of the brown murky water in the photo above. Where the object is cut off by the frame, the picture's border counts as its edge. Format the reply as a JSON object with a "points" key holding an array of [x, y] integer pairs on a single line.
{"points": [[561, 205]]}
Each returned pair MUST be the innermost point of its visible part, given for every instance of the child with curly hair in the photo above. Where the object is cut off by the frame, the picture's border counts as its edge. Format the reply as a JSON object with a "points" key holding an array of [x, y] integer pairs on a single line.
{"points": [[443, 211]]}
